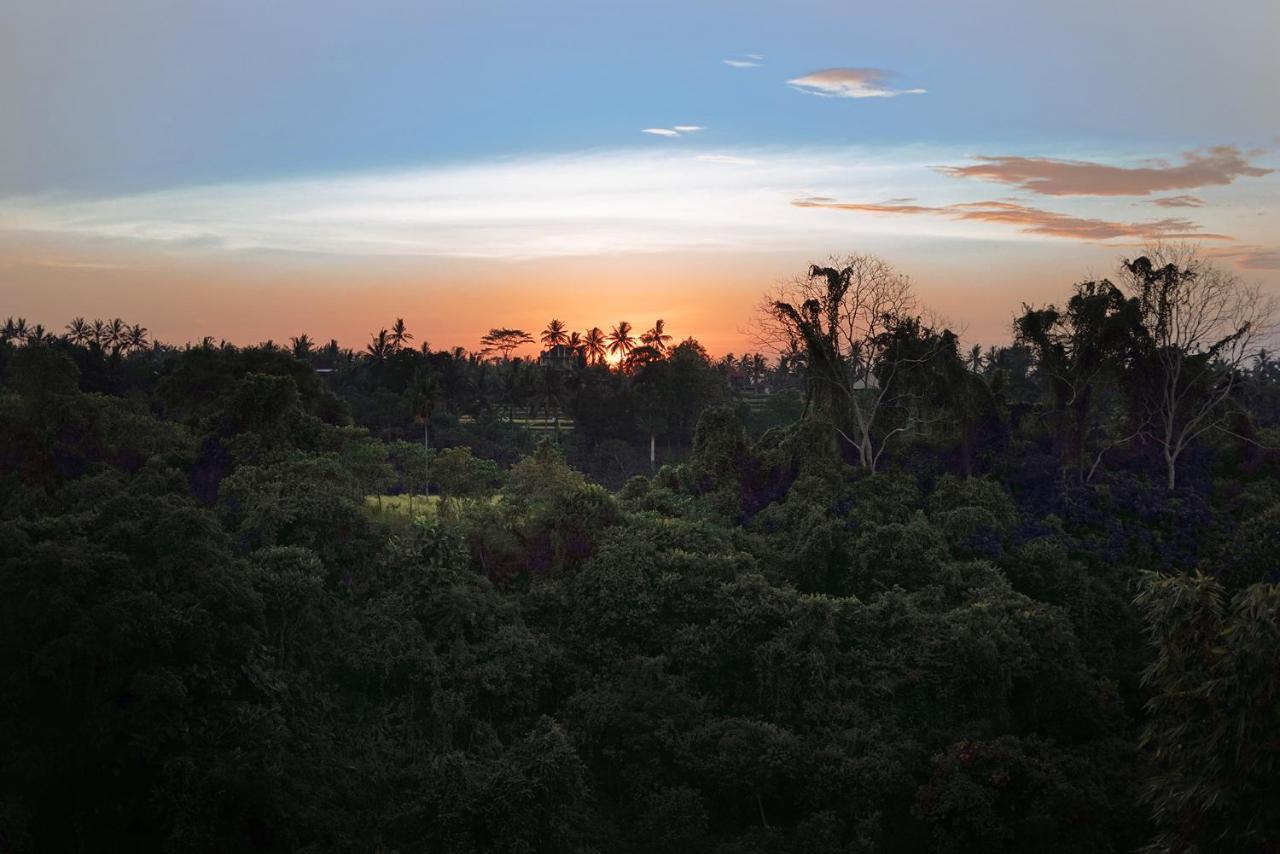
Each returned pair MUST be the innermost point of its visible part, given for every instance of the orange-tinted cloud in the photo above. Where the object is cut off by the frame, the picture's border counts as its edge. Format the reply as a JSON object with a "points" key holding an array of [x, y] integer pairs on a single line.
{"points": [[1250, 257], [1031, 220], [1179, 202], [1215, 166], [850, 83]]}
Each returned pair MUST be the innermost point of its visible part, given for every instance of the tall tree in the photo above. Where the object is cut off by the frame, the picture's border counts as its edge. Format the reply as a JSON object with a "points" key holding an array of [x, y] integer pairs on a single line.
{"points": [[594, 345], [555, 335], [1202, 325], [657, 336], [78, 331], [115, 333], [135, 338], [504, 341], [400, 335], [302, 346], [15, 330], [379, 347], [621, 341], [1082, 354], [841, 313]]}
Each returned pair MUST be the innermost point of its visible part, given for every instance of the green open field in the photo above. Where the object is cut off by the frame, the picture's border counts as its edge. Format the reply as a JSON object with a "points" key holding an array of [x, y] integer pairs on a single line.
{"points": [[398, 505]]}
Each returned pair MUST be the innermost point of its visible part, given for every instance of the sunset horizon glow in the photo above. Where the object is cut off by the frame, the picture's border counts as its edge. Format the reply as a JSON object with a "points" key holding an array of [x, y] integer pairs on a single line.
{"points": [[255, 174]]}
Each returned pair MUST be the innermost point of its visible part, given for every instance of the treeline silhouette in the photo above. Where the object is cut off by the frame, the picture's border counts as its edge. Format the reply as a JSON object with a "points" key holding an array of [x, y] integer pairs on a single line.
{"points": [[878, 592]]}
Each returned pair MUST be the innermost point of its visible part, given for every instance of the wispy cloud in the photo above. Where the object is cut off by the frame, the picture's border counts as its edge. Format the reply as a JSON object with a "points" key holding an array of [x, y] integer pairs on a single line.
{"points": [[628, 200], [1249, 257], [1029, 220], [677, 130], [850, 83], [731, 159], [744, 60], [637, 199], [1179, 202], [1050, 177]]}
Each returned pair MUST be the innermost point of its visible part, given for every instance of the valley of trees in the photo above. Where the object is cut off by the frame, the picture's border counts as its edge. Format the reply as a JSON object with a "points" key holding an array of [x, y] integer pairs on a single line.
{"points": [[878, 591]]}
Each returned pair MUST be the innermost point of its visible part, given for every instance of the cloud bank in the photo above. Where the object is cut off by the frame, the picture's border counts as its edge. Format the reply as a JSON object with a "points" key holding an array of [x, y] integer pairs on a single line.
{"points": [[1049, 177], [636, 199], [850, 83], [627, 200]]}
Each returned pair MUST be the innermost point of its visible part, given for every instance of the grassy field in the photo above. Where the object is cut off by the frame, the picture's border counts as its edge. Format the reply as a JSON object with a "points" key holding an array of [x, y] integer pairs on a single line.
{"points": [[398, 505], [537, 424]]}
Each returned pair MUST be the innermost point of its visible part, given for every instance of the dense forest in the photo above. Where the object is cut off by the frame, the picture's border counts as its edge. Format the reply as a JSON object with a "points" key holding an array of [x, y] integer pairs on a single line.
{"points": [[878, 591]]}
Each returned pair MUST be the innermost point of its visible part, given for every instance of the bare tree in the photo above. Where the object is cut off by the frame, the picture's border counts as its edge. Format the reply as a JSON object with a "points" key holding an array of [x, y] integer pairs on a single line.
{"points": [[839, 315], [1202, 325]]}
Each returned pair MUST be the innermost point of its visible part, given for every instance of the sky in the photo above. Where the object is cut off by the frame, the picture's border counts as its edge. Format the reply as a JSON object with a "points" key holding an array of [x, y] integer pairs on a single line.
{"points": [[254, 170]]}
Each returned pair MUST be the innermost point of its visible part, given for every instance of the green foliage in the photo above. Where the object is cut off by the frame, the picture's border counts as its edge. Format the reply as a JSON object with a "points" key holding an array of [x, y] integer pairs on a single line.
{"points": [[1253, 554], [458, 473], [40, 372], [1214, 714], [1014, 795], [206, 645]]}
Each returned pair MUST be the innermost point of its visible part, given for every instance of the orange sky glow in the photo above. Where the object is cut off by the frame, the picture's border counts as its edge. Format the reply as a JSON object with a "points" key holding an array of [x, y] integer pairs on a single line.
{"points": [[711, 296]]}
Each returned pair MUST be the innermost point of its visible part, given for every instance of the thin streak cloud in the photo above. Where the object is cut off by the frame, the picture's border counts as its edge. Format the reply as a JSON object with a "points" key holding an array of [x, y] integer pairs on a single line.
{"points": [[1179, 202], [1047, 176], [677, 130], [1249, 257], [1029, 220], [849, 83], [731, 159]]}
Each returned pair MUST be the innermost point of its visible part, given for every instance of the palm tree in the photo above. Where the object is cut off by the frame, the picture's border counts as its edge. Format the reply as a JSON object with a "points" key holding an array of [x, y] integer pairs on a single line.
{"points": [[555, 335], [621, 341], [15, 330], [301, 346], [135, 337], [575, 342], [98, 333], [975, 358], [593, 345], [78, 332], [115, 335], [399, 335], [37, 335], [379, 346], [657, 337]]}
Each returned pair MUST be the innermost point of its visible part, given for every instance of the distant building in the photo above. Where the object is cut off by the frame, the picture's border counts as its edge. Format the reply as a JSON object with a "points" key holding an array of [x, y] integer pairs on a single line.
{"points": [[561, 358]]}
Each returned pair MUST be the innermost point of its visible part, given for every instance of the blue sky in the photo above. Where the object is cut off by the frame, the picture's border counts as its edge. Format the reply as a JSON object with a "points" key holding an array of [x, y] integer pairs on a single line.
{"points": [[236, 131], [143, 94]]}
